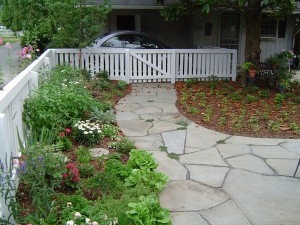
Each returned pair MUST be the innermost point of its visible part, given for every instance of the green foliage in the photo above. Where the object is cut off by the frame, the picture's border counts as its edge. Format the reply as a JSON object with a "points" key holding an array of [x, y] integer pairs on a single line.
{"points": [[141, 160], [250, 98], [102, 117], [148, 212], [110, 131], [55, 23], [173, 155], [120, 84], [85, 170], [278, 99], [83, 154], [56, 107], [124, 145]]}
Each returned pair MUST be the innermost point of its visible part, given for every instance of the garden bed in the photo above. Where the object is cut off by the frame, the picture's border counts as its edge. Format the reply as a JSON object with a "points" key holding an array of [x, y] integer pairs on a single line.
{"points": [[229, 108]]}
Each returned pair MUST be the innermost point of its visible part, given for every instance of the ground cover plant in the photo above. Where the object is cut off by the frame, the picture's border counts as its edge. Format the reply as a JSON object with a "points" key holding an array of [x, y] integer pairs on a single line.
{"points": [[253, 111], [61, 181]]}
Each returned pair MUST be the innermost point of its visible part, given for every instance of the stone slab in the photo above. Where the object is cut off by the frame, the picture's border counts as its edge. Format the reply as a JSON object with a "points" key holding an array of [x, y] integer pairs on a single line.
{"points": [[230, 150], [188, 150], [188, 218], [292, 145], [273, 152], [200, 137], [253, 141], [265, 199], [174, 141], [134, 127], [250, 163], [209, 175], [171, 167], [205, 157], [98, 152], [126, 116], [225, 214], [188, 195], [284, 167], [149, 142], [127, 107], [162, 126], [148, 110]]}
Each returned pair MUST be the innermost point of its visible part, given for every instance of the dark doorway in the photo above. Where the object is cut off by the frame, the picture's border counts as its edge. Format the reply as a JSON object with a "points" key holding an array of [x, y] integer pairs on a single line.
{"points": [[125, 23]]}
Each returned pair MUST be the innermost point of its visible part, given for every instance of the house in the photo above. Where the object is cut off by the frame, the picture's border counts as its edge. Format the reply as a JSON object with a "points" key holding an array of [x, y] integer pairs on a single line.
{"points": [[224, 29]]}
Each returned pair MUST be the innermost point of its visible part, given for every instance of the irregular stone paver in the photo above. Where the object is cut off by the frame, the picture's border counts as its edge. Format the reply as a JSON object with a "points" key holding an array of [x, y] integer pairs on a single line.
{"points": [[200, 137], [148, 110], [273, 152], [149, 142], [265, 199], [190, 196], [284, 167], [174, 141], [226, 213], [191, 150], [209, 175], [188, 218], [163, 98], [134, 127], [292, 145], [127, 107], [127, 116], [250, 163], [205, 157], [253, 141], [171, 167], [98, 152], [133, 99], [230, 150], [162, 126]]}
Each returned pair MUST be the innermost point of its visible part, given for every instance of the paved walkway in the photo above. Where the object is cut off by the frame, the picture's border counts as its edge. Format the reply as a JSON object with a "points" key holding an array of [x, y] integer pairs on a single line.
{"points": [[218, 179]]}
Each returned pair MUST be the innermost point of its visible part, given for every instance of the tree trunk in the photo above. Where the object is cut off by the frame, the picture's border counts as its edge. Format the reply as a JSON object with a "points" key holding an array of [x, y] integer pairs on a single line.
{"points": [[253, 21]]}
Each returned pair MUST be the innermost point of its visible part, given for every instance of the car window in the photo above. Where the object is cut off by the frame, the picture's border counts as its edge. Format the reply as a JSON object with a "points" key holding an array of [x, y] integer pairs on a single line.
{"points": [[138, 41], [114, 42]]}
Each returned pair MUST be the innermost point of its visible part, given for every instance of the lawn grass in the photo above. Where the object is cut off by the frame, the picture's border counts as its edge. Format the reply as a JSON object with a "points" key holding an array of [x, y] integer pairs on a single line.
{"points": [[11, 39]]}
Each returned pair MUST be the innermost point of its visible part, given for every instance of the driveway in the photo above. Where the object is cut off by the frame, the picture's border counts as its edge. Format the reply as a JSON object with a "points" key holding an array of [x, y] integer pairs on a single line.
{"points": [[9, 65], [218, 179]]}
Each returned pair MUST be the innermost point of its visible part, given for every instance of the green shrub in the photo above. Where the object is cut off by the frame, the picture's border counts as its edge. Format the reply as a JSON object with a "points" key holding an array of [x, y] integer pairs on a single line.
{"points": [[124, 145], [121, 84], [83, 155], [103, 117]]}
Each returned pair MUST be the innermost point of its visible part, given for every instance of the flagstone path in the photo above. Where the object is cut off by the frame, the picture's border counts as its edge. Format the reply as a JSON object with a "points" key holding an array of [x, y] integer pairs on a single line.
{"points": [[218, 179]]}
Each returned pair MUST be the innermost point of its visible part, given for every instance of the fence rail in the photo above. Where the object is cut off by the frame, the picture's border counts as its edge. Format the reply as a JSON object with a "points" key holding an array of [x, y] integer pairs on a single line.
{"points": [[129, 65]]}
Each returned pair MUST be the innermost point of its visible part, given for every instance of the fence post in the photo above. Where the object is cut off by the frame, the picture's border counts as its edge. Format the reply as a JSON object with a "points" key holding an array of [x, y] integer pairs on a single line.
{"points": [[34, 81], [234, 65], [173, 66], [52, 62], [127, 66], [5, 151]]}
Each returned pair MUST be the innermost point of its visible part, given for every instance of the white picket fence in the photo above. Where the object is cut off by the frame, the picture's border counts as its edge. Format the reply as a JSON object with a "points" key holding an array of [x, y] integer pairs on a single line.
{"points": [[121, 64], [159, 65]]}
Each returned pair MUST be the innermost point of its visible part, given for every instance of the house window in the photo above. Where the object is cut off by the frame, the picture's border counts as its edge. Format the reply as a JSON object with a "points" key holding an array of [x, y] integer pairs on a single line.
{"points": [[271, 27], [268, 26], [126, 22]]}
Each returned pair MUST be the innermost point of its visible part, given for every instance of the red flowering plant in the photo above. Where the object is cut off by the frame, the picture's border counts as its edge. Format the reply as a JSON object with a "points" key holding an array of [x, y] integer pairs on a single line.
{"points": [[70, 178], [63, 139]]}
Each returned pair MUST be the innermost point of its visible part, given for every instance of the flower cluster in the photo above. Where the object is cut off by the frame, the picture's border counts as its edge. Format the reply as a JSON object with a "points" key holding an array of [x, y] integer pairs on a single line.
{"points": [[87, 132], [28, 52], [71, 177], [64, 140], [79, 219]]}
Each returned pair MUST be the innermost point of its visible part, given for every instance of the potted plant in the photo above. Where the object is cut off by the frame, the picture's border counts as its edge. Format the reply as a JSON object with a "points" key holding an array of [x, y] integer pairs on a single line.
{"points": [[250, 67], [273, 61]]}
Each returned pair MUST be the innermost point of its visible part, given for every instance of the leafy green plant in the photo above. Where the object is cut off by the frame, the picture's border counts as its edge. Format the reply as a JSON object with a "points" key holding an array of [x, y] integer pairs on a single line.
{"points": [[294, 126], [222, 121], [278, 99], [120, 84], [193, 110], [148, 211], [110, 131], [207, 114], [85, 170], [87, 133], [163, 148], [102, 117], [139, 159], [83, 154], [124, 145], [250, 98], [264, 93], [173, 155]]}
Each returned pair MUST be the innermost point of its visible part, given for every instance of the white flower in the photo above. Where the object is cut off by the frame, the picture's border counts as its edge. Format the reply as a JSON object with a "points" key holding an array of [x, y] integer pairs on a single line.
{"points": [[69, 204], [105, 217], [70, 222], [85, 132], [99, 131], [94, 223], [88, 220], [77, 214], [90, 132]]}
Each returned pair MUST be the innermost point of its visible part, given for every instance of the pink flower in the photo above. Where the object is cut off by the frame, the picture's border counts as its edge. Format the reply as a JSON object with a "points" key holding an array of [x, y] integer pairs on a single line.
{"points": [[68, 130], [64, 175], [28, 56], [37, 50], [8, 45], [30, 49], [1, 41], [62, 134], [24, 51], [69, 166]]}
